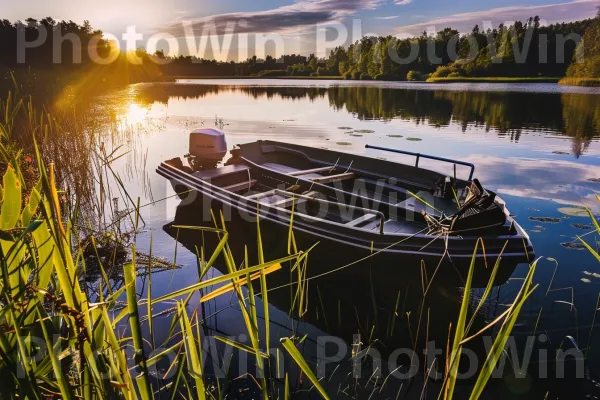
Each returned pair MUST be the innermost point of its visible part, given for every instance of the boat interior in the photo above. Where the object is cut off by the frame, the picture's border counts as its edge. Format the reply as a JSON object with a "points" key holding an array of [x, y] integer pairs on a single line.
{"points": [[359, 192]]}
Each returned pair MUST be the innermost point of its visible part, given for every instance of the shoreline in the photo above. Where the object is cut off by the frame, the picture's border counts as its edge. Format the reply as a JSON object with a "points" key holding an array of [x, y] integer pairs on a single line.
{"points": [[491, 79], [430, 80], [581, 82], [317, 78]]}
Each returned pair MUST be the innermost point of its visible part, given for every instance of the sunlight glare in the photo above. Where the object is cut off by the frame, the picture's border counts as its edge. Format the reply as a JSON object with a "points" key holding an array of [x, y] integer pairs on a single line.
{"points": [[134, 116]]}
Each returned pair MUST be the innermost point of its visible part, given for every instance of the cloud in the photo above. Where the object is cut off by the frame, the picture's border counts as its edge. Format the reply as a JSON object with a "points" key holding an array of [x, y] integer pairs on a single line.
{"points": [[403, 2], [464, 22], [282, 19], [388, 17], [561, 181]]}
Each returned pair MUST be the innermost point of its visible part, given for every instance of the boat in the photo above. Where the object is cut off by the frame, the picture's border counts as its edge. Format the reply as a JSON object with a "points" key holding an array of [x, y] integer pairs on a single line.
{"points": [[405, 219]]}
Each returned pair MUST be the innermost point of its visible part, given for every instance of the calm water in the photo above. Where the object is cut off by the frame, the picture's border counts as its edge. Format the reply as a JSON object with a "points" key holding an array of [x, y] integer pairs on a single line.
{"points": [[535, 144]]}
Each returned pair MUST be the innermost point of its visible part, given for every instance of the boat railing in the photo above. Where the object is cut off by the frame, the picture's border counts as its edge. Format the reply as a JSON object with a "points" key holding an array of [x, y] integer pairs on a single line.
{"points": [[349, 206], [419, 156]]}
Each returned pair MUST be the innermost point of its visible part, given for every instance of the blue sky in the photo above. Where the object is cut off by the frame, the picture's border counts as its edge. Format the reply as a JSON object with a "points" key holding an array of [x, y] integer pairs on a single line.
{"points": [[299, 19]]}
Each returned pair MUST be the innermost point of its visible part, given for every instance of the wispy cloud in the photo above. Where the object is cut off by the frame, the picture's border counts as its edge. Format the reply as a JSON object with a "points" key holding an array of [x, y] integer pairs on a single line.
{"points": [[522, 177], [388, 17], [567, 11], [282, 19], [403, 2]]}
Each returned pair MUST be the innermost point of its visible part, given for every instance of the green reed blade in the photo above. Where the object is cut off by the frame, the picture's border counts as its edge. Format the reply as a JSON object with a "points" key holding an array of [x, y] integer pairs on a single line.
{"points": [[180, 367], [63, 384], [143, 380], [239, 346], [460, 329], [500, 342], [149, 295], [223, 278], [287, 387], [263, 284], [288, 344], [192, 352]]}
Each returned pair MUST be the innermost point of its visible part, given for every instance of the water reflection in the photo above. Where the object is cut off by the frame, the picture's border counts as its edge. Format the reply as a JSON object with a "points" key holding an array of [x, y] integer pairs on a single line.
{"points": [[508, 113], [384, 304], [523, 144]]}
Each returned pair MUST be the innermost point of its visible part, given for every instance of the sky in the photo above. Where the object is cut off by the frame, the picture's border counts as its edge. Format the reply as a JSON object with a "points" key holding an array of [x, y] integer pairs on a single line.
{"points": [[298, 22]]}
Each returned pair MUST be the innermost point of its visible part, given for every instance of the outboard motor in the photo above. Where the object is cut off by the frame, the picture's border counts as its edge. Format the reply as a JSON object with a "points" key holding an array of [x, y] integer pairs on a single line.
{"points": [[207, 148]]}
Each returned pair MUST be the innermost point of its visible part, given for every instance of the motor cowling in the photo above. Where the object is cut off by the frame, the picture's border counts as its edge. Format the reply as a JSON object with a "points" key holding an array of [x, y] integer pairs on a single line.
{"points": [[207, 148]]}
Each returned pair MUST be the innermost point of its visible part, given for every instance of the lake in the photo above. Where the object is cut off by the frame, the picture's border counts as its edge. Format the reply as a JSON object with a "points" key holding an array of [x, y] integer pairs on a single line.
{"points": [[537, 145]]}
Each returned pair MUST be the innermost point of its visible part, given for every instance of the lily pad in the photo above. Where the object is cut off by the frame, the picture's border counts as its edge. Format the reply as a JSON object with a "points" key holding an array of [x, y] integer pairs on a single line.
{"points": [[574, 211], [582, 226], [546, 220], [395, 136], [561, 153], [595, 180], [573, 246], [585, 280], [344, 143], [364, 131], [345, 128], [355, 135], [414, 139]]}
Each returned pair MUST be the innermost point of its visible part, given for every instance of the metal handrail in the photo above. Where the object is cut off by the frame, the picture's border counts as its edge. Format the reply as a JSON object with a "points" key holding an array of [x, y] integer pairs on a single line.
{"points": [[367, 210], [419, 156]]}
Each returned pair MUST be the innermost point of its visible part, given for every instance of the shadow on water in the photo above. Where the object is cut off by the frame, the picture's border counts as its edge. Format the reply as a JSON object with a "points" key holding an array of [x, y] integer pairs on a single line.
{"points": [[355, 304]]}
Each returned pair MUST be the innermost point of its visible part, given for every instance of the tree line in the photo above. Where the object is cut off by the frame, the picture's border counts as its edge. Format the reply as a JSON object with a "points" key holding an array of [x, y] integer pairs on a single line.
{"points": [[523, 49]]}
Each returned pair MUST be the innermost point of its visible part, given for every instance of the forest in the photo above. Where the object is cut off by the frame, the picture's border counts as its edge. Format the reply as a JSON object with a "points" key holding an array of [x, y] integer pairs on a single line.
{"points": [[524, 49]]}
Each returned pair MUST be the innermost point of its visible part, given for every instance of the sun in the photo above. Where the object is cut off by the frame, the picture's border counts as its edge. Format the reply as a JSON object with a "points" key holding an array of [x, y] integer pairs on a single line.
{"points": [[135, 115]]}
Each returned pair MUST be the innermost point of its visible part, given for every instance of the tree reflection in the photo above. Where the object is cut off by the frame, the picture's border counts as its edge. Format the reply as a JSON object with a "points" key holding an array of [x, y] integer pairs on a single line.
{"points": [[509, 114]]}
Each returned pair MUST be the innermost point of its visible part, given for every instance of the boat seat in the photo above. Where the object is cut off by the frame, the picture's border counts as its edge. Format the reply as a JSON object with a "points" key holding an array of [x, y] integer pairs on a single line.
{"points": [[241, 186], [287, 170], [449, 207], [395, 226], [334, 178], [312, 171], [220, 172], [362, 220], [271, 199], [279, 200], [260, 195], [390, 187]]}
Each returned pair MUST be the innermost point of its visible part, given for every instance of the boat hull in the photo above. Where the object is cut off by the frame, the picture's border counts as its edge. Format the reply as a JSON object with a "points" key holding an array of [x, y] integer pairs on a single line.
{"points": [[384, 257]]}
